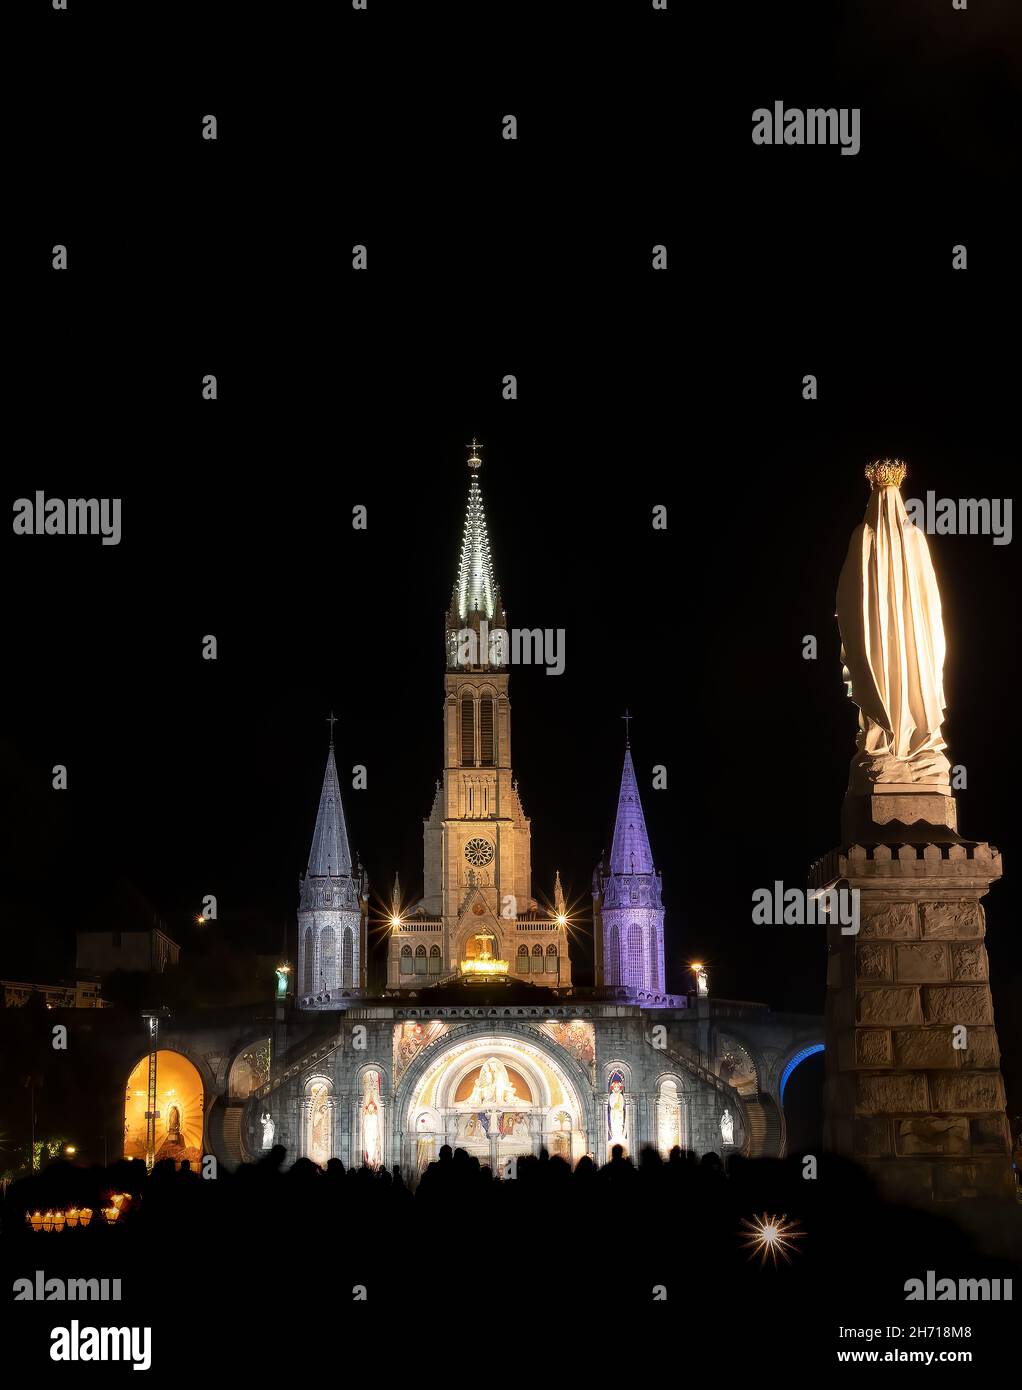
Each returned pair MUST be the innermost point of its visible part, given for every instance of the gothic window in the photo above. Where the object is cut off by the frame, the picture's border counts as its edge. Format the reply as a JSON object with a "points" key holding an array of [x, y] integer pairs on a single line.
{"points": [[420, 960], [551, 960], [523, 960], [537, 960], [634, 972], [327, 958], [613, 971], [434, 960], [347, 977], [468, 733], [486, 732], [308, 963], [406, 960]]}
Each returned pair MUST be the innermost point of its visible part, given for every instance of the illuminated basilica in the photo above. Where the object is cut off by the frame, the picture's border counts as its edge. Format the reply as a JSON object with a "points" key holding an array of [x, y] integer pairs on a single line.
{"points": [[480, 1038]]}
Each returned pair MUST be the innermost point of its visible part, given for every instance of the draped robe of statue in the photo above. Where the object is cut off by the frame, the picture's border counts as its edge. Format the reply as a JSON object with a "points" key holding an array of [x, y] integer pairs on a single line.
{"points": [[727, 1127], [892, 645], [617, 1115]]}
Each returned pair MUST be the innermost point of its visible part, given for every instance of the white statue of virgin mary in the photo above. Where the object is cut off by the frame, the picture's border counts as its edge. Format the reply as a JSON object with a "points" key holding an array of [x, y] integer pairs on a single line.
{"points": [[892, 644]]}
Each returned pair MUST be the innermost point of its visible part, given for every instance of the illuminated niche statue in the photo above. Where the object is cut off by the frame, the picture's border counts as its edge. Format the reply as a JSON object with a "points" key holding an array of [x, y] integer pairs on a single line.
{"points": [[892, 644], [727, 1127], [372, 1130], [493, 1085], [268, 1129], [617, 1114]]}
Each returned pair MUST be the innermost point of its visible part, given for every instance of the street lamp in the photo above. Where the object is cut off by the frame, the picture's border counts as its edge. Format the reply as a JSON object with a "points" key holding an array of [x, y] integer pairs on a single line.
{"points": [[152, 1018]]}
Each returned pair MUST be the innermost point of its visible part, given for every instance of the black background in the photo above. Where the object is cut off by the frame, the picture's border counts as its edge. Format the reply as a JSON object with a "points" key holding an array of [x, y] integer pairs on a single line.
{"points": [[636, 388]]}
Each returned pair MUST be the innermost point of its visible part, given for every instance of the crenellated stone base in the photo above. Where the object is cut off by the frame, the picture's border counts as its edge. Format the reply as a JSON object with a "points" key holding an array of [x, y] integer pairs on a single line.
{"points": [[913, 1089]]}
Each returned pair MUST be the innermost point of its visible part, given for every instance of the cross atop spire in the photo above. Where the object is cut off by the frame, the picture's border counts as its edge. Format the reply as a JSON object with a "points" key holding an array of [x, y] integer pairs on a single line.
{"points": [[474, 461], [332, 720], [628, 719]]}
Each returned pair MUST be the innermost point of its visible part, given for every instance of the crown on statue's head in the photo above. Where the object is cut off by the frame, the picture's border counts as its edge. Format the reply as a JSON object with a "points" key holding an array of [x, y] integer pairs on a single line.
{"points": [[885, 473]]}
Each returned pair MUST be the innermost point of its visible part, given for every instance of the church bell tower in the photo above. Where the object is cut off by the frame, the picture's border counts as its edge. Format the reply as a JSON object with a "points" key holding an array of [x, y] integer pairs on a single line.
{"points": [[477, 915]]}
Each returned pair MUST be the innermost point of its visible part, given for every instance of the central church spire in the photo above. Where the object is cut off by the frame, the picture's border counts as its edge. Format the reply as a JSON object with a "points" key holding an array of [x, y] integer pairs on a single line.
{"points": [[475, 590], [477, 916], [476, 598]]}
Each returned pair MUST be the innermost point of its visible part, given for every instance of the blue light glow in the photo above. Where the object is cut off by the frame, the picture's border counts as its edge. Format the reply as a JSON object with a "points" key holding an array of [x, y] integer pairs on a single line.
{"points": [[798, 1057]]}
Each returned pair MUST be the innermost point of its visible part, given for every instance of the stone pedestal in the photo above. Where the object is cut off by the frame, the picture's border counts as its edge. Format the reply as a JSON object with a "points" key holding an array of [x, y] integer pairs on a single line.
{"points": [[913, 1089], [867, 819]]}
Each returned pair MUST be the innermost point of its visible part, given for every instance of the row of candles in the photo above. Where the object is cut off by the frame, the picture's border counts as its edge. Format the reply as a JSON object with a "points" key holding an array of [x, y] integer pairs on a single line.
{"points": [[79, 1216]]}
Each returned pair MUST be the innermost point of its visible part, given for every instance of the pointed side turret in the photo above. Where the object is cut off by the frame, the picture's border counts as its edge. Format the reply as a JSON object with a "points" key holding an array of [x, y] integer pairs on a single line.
{"points": [[330, 856], [331, 916], [628, 909]]}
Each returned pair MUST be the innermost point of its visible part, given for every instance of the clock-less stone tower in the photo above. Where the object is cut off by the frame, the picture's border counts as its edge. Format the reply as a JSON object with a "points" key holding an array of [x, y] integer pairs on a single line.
{"points": [[477, 915]]}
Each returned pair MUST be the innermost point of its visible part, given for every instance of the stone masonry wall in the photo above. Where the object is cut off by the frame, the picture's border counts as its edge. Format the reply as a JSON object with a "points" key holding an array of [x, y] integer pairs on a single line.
{"points": [[913, 1089]]}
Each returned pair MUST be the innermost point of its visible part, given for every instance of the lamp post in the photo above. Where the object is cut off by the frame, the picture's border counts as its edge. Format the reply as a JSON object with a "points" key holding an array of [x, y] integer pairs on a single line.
{"points": [[152, 1018], [279, 1045]]}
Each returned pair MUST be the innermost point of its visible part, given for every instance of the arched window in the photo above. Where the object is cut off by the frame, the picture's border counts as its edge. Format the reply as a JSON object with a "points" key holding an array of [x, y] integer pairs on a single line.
{"points": [[537, 960], [668, 1118], [420, 960], [468, 732], [348, 959], [434, 960], [551, 960], [523, 960], [308, 963], [406, 960], [486, 732], [634, 976], [613, 962], [327, 958]]}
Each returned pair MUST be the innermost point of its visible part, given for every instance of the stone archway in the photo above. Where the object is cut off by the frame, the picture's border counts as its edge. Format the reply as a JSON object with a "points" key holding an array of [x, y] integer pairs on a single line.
{"points": [[497, 1094], [180, 1106], [800, 1096]]}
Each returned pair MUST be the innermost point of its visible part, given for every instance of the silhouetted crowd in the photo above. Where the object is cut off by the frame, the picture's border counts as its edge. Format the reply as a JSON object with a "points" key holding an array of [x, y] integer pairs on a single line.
{"points": [[688, 1224]]}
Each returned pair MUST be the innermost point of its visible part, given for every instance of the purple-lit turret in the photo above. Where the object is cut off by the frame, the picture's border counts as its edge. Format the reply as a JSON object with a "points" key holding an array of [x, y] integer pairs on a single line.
{"points": [[628, 910]]}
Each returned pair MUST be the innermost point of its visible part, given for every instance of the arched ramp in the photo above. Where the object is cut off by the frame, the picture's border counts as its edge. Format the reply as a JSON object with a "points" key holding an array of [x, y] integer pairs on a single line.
{"points": [[801, 1095]]}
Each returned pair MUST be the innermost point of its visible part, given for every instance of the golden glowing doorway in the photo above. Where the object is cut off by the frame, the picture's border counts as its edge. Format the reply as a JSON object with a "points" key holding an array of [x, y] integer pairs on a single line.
{"points": [[180, 1103]]}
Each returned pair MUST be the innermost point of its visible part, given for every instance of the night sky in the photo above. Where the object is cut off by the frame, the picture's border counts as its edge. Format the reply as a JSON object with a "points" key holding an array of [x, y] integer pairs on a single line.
{"points": [[635, 389]]}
